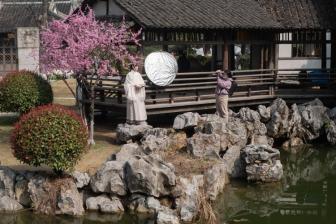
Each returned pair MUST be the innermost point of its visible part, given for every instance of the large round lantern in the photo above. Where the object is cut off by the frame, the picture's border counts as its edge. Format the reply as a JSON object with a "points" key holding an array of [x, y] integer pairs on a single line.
{"points": [[161, 68]]}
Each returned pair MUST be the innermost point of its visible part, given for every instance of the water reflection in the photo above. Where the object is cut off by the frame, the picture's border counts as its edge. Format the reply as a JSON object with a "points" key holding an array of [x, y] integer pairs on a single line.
{"points": [[28, 217], [307, 193]]}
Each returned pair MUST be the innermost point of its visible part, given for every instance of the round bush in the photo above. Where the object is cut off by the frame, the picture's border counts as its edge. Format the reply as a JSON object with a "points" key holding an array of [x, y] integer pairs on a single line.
{"points": [[20, 91], [50, 135]]}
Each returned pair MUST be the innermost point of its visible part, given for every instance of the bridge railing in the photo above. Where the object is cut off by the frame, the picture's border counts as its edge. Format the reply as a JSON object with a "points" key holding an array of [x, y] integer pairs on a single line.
{"points": [[197, 89]]}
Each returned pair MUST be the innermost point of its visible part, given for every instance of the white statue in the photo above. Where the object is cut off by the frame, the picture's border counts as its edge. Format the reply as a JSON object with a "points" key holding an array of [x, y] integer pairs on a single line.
{"points": [[135, 93]]}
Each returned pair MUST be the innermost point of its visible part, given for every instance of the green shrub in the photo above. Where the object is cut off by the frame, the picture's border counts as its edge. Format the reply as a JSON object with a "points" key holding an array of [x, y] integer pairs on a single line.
{"points": [[20, 91], [50, 135]]}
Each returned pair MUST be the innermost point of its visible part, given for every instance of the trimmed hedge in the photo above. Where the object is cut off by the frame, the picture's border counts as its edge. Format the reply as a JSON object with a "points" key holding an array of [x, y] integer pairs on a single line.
{"points": [[23, 90], [50, 135]]}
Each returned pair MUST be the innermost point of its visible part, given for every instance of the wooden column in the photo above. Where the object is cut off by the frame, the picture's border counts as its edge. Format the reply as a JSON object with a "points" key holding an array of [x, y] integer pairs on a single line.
{"points": [[262, 57], [324, 51], [271, 56], [333, 50], [226, 56]]}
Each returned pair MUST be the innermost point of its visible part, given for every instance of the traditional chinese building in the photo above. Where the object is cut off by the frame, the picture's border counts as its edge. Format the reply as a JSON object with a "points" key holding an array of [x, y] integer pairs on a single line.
{"points": [[274, 48], [234, 34], [19, 31]]}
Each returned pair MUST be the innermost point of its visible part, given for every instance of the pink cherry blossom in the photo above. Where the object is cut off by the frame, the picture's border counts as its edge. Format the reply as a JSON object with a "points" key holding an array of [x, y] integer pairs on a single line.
{"points": [[82, 44]]}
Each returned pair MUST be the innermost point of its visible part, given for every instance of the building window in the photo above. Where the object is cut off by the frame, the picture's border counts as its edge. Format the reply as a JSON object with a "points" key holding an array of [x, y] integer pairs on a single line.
{"points": [[306, 50]]}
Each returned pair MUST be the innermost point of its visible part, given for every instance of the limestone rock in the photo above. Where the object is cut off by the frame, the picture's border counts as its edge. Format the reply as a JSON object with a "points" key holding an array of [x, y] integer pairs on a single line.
{"points": [[149, 175], [8, 204], [69, 200], [215, 180], [109, 179], [167, 216], [204, 145], [105, 204], [330, 130], [55, 196], [188, 203], [144, 204], [233, 163], [236, 133], [126, 132], [81, 179], [113, 206], [262, 163], [332, 114], [160, 139], [246, 114], [39, 191], [277, 126], [21, 191], [156, 140], [178, 141], [128, 151], [186, 120], [313, 118], [7, 182], [265, 113]]}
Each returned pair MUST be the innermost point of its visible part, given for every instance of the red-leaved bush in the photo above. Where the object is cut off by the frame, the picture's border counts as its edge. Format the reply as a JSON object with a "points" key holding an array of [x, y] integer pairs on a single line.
{"points": [[50, 135]]}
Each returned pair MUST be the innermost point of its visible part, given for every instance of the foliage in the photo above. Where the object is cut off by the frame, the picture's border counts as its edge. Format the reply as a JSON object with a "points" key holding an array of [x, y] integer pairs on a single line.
{"points": [[51, 135], [82, 44], [20, 91]]}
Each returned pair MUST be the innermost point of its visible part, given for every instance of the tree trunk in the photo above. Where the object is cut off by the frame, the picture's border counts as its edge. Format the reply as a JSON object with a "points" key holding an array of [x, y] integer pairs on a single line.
{"points": [[92, 98]]}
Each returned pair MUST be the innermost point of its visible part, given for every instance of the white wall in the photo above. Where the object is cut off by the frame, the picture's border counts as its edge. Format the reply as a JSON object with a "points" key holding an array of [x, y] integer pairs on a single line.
{"points": [[299, 63], [28, 42], [285, 60]]}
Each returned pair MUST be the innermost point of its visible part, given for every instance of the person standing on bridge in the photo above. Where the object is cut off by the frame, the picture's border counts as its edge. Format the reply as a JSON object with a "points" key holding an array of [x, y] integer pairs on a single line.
{"points": [[224, 83], [135, 93]]}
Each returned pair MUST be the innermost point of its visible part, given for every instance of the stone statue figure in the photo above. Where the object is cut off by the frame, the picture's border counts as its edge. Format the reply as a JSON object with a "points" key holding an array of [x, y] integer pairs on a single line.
{"points": [[135, 93]]}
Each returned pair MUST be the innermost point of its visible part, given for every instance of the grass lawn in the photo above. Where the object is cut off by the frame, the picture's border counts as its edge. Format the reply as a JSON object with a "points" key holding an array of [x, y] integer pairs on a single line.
{"points": [[104, 135]]}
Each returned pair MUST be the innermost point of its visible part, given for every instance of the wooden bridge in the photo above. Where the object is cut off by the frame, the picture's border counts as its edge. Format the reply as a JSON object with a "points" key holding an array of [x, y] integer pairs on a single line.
{"points": [[195, 91]]}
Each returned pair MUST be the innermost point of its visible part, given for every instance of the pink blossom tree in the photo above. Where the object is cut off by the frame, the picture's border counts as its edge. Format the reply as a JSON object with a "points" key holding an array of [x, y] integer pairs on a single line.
{"points": [[88, 47]]}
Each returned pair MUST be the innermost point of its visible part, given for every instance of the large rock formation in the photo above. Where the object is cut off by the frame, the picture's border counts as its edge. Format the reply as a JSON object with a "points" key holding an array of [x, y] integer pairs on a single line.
{"points": [[105, 204], [233, 163], [7, 182], [69, 200], [277, 126], [110, 179], [127, 132], [149, 175], [188, 202], [186, 120], [55, 196], [262, 163], [161, 139], [215, 180], [204, 145], [81, 179], [8, 204]]}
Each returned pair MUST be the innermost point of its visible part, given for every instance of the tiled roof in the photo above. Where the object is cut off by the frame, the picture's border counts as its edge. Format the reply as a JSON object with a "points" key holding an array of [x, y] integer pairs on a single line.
{"points": [[212, 14], [302, 14], [223, 14], [25, 13]]}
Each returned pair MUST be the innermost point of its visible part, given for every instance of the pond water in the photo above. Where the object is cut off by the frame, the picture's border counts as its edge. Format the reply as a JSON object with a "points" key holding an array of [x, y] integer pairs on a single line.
{"points": [[306, 195]]}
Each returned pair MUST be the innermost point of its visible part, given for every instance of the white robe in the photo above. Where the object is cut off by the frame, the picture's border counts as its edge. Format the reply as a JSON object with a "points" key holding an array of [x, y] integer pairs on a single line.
{"points": [[136, 110]]}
